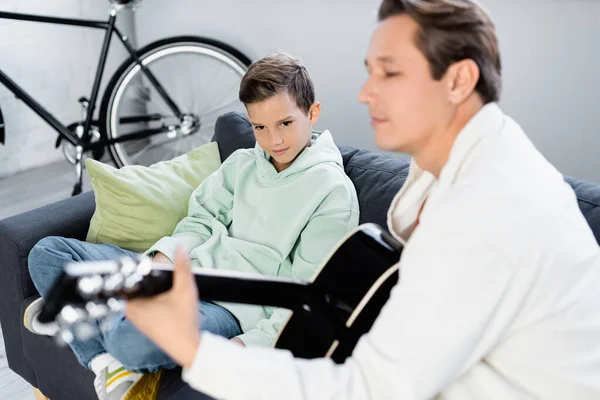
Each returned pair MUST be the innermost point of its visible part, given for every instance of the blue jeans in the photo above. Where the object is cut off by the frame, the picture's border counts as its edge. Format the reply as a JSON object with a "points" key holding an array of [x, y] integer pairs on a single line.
{"points": [[123, 341]]}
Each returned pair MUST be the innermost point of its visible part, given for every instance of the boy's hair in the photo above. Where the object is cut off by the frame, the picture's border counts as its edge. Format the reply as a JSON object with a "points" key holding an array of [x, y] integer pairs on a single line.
{"points": [[277, 73], [450, 31]]}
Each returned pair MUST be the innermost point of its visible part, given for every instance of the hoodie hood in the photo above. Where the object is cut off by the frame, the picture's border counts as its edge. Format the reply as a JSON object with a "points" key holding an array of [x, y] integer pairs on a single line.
{"points": [[321, 150]]}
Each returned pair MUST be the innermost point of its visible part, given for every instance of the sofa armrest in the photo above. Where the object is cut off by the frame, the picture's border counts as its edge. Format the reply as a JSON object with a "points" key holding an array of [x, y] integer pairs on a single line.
{"points": [[18, 234]]}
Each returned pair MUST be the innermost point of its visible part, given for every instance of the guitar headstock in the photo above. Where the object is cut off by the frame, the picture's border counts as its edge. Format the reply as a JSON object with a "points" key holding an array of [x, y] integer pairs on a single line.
{"points": [[87, 294]]}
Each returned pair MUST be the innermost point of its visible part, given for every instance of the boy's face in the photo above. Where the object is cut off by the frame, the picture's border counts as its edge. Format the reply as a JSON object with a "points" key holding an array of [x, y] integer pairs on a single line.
{"points": [[281, 128], [407, 106]]}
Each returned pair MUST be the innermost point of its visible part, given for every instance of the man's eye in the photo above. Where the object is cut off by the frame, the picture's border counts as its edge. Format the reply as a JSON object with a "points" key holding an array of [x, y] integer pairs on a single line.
{"points": [[259, 128], [391, 74], [286, 123]]}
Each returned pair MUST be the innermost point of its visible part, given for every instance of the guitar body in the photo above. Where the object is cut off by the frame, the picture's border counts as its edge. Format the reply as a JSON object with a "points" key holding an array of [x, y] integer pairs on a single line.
{"points": [[360, 273]]}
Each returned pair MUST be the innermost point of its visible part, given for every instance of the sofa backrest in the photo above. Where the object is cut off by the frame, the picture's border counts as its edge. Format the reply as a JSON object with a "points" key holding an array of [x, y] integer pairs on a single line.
{"points": [[377, 178], [588, 197]]}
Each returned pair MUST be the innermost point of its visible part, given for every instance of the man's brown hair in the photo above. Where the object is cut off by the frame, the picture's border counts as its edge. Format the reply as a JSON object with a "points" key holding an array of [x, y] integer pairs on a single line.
{"points": [[450, 31], [277, 73]]}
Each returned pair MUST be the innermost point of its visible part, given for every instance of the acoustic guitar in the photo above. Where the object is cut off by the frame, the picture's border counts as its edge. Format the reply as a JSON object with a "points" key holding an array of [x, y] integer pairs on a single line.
{"points": [[329, 314]]}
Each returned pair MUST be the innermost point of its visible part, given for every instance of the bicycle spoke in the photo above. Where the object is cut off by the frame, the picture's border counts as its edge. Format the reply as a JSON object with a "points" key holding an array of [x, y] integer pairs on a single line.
{"points": [[214, 81], [205, 127], [191, 74], [152, 146], [146, 149], [226, 95], [218, 110], [151, 93]]}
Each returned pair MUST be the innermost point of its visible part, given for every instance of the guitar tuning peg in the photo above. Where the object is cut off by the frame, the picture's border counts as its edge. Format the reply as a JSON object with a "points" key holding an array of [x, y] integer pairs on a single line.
{"points": [[132, 283], [64, 337], [70, 315], [145, 266], [97, 310], [89, 286], [114, 283], [83, 331], [128, 266], [115, 305]]}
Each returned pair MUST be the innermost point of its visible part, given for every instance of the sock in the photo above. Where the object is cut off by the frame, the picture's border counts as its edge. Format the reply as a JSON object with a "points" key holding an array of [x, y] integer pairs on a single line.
{"points": [[100, 362]]}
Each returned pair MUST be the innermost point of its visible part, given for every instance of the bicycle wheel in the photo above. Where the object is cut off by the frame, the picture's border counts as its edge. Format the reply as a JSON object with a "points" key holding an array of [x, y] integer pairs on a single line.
{"points": [[2, 135], [201, 76]]}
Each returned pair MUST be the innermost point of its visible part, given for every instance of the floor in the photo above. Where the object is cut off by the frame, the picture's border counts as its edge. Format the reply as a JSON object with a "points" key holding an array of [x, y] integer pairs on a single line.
{"points": [[19, 193], [37, 187]]}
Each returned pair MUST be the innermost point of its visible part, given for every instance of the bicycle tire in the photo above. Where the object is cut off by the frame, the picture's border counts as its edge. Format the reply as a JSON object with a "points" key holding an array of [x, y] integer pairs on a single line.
{"points": [[107, 106], [2, 131]]}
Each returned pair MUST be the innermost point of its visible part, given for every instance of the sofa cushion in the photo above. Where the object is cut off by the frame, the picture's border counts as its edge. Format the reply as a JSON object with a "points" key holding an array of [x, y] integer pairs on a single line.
{"points": [[377, 178], [137, 205], [233, 131]]}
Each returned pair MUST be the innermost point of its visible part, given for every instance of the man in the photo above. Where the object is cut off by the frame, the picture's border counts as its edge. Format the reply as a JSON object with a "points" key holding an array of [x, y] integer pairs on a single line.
{"points": [[499, 292], [275, 210]]}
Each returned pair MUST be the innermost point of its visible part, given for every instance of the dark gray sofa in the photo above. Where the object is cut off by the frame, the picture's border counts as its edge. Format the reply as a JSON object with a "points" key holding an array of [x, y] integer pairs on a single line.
{"points": [[54, 370]]}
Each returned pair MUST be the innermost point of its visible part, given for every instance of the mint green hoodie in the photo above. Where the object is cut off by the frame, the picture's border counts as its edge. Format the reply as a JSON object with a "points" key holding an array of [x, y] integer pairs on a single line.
{"points": [[248, 217]]}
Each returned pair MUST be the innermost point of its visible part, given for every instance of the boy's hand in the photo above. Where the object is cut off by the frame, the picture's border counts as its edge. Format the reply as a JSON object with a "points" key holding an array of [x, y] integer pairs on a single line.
{"points": [[171, 319], [161, 258]]}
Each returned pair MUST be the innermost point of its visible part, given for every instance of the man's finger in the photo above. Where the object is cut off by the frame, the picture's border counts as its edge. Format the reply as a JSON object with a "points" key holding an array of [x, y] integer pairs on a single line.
{"points": [[131, 307], [182, 274]]}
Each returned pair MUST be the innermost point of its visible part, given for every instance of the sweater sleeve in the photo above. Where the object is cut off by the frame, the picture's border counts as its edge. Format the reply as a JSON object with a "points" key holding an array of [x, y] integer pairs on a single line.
{"points": [[452, 286], [209, 209]]}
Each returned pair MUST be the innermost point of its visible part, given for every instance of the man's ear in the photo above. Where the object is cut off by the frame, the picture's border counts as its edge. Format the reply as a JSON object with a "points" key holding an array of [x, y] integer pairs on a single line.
{"points": [[314, 112], [462, 78]]}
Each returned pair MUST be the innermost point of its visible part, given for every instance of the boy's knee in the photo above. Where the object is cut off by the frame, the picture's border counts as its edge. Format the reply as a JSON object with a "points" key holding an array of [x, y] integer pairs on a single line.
{"points": [[41, 261], [47, 247]]}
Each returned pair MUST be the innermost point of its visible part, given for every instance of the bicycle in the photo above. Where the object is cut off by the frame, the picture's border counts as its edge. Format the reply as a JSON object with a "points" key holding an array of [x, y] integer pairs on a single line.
{"points": [[152, 109]]}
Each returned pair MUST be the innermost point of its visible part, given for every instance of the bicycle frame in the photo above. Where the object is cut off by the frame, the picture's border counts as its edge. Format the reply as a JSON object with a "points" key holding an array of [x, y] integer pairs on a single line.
{"points": [[110, 28]]}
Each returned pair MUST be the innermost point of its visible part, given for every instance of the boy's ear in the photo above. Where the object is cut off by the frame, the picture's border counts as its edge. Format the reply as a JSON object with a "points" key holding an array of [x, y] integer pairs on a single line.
{"points": [[314, 112]]}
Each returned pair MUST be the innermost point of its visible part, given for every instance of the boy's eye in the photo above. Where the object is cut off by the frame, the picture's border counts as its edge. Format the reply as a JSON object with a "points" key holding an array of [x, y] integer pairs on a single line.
{"points": [[391, 74], [286, 123], [259, 127]]}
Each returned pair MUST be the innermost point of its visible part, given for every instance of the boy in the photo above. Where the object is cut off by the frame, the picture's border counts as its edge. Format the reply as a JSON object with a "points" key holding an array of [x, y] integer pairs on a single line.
{"points": [[277, 210]]}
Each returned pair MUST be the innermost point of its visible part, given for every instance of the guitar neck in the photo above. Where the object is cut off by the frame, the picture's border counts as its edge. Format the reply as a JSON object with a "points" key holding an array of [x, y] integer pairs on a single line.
{"points": [[228, 286], [213, 285]]}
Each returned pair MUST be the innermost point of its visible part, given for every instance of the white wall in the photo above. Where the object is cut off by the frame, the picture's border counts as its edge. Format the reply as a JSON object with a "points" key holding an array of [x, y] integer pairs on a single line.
{"points": [[549, 48], [550, 52], [330, 37], [56, 65]]}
